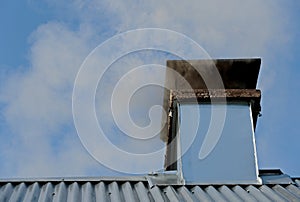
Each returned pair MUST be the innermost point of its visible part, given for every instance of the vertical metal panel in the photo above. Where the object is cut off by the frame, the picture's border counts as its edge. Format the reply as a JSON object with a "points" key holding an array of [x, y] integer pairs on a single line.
{"points": [[100, 192], [142, 192], [216, 153], [73, 192], [47, 193], [33, 192], [243, 194], [201, 195], [87, 192]]}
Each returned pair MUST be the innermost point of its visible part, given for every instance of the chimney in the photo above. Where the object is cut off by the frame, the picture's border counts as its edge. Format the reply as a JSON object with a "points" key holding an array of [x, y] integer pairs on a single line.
{"points": [[213, 108]]}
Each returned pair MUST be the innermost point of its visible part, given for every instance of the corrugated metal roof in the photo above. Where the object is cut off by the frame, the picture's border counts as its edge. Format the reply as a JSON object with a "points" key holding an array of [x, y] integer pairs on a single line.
{"points": [[134, 190]]}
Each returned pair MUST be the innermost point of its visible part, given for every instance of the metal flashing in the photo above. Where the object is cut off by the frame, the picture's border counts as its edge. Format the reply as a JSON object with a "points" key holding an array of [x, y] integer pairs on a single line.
{"points": [[274, 176], [215, 153]]}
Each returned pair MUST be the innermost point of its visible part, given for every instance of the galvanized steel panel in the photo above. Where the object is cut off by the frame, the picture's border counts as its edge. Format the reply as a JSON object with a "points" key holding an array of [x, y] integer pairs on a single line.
{"points": [[73, 192], [186, 194], [256, 193], [129, 195], [100, 192], [156, 193], [200, 194], [171, 194], [214, 194], [32, 193], [5, 192], [114, 192], [243, 194], [229, 194], [271, 193], [87, 192], [285, 193], [293, 189], [44, 191], [60, 192], [142, 192]]}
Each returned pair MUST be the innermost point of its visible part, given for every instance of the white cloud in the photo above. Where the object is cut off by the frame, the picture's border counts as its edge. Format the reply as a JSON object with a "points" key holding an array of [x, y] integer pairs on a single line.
{"points": [[39, 104], [38, 101]]}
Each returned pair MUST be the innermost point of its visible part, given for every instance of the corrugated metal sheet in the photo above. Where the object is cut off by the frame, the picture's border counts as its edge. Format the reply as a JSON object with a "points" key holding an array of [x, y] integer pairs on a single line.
{"points": [[134, 190]]}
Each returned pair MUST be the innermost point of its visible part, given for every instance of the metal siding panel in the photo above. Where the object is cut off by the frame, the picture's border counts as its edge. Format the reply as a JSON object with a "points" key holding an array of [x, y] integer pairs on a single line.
{"points": [[229, 194], [214, 194], [285, 193], [46, 193], [128, 192], [87, 192], [141, 192], [244, 195], [60, 192], [242, 151], [157, 195], [201, 195], [5, 192], [271, 193], [33, 192], [114, 192], [18, 193], [73, 192], [186, 194], [100, 192], [295, 190]]}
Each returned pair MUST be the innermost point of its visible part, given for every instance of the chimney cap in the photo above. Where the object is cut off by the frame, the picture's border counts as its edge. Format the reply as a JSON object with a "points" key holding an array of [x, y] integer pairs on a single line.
{"points": [[235, 73]]}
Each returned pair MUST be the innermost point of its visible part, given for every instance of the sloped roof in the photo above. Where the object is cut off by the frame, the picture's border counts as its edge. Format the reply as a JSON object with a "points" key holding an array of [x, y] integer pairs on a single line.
{"points": [[137, 189]]}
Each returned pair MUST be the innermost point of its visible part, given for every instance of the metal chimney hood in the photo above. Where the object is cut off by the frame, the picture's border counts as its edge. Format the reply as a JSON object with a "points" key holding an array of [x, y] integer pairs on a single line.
{"points": [[197, 150]]}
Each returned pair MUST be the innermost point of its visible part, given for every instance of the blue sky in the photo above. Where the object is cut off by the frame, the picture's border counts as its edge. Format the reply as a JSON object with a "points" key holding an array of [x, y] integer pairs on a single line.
{"points": [[43, 44]]}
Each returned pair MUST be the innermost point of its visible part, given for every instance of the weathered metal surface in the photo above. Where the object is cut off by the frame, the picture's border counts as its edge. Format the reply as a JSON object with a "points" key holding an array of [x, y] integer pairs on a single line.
{"points": [[140, 191], [209, 74], [252, 96], [234, 73], [207, 95]]}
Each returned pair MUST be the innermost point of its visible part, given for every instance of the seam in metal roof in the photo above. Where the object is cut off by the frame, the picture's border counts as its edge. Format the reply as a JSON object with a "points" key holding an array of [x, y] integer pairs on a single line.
{"points": [[141, 191]]}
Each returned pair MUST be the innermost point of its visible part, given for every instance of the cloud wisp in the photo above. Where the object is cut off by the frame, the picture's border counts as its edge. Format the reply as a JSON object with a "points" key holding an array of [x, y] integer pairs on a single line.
{"points": [[37, 102]]}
